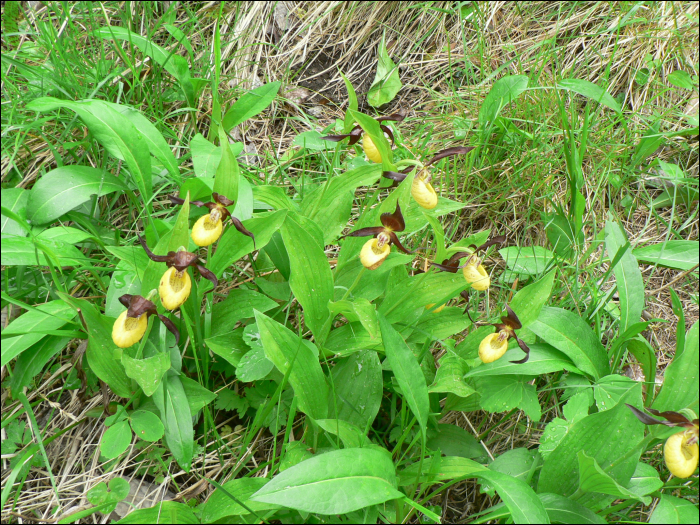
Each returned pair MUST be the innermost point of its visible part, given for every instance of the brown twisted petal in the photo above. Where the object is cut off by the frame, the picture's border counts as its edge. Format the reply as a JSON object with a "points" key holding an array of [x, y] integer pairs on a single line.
{"points": [[366, 232], [674, 417], [239, 226], [511, 320], [387, 130], [396, 176], [393, 221], [524, 348], [208, 274], [171, 327], [444, 267], [394, 117], [646, 419], [221, 199], [354, 135], [459, 150], [397, 243], [151, 255], [491, 242]]}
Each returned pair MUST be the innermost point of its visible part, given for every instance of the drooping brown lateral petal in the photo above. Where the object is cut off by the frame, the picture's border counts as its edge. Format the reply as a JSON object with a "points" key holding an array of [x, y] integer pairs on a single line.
{"points": [[170, 326], [366, 232], [525, 349], [151, 255], [459, 150], [396, 176], [394, 117], [454, 260], [387, 130], [511, 320], [208, 274], [646, 419], [394, 221], [673, 417], [239, 226], [397, 243]]}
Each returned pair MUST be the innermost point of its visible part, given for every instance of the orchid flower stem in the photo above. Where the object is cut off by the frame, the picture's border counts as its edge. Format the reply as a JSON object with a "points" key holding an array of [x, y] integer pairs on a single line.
{"points": [[354, 284]]}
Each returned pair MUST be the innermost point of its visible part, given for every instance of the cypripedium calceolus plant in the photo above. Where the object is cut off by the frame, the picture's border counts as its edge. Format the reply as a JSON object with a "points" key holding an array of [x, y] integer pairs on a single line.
{"points": [[421, 188], [376, 250], [681, 450], [493, 346], [367, 145], [474, 272], [175, 285], [131, 324], [209, 227]]}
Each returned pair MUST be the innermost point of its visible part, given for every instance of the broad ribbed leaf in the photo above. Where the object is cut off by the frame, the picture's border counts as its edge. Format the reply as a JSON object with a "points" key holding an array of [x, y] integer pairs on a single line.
{"points": [[407, 372], [630, 285], [570, 334], [311, 278], [334, 483], [358, 387], [284, 348], [680, 388]]}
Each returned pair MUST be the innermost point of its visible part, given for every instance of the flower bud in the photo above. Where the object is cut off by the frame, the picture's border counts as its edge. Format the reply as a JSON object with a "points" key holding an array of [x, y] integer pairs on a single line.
{"points": [[370, 149], [128, 330], [373, 253], [174, 288], [476, 276], [423, 192], [681, 458], [493, 346], [207, 229]]}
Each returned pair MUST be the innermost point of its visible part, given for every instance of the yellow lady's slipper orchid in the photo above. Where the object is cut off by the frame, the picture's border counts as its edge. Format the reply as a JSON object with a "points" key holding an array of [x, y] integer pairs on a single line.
{"points": [[371, 150], [174, 288], [681, 457], [368, 144], [476, 276], [131, 324], [373, 253], [128, 330], [207, 230], [376, 250], [493, 346], [423, 192], [175, 285], [681, 449]]}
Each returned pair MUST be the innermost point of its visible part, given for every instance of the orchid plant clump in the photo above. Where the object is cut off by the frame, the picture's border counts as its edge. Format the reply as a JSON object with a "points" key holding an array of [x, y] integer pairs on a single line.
{"points": [[353, 354]]}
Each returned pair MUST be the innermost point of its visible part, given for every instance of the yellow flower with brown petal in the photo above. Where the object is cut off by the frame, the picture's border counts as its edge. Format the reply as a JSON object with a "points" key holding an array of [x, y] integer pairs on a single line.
{"points": [[127, 331], [422, 191], [208, 228], [376, 250], [475, 274], [493, 346], [373, 253], [680, 456], [174, 288], [371, 150]]}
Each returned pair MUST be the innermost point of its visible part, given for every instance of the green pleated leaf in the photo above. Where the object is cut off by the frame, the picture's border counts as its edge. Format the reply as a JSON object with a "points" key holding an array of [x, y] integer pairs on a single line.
{"points": [[285, 349], [358, 387], [407, 372], [521, 500], [679, 389], [334, 483], [592, 478], [311, 278]]}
